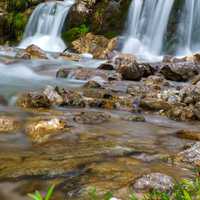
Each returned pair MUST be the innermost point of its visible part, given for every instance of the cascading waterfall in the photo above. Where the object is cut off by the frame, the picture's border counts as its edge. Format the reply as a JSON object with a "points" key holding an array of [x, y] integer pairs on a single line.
{"points": [[189, 28], [147, 22], [45, 26]]}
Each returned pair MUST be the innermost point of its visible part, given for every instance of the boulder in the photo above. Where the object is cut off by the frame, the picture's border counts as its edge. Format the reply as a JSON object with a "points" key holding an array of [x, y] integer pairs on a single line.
{"points": [[35, 52], [127, 66], [154, 181], [179, 72]]}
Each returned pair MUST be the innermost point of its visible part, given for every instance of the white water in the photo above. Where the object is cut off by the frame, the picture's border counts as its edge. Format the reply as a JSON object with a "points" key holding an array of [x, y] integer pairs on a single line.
{"points": [[45, 26], [189, 28], [147, 23]]}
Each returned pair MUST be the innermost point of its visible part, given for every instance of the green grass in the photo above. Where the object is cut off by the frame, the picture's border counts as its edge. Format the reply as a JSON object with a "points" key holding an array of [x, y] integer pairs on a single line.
{"points": [[183, 190], [38, 196]]}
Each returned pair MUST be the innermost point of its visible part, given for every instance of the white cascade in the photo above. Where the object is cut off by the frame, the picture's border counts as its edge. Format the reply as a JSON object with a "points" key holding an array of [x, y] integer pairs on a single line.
{"points": [[189, 28], [45, 26], [147, 23]]}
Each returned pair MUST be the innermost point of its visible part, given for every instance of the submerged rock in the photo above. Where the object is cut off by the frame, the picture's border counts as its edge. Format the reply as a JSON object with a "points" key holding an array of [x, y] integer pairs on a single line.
{"points": [[9, 124], [92, 84], [91, 117], [40, 129], [155, 181], [187, 134], [135, 118]]}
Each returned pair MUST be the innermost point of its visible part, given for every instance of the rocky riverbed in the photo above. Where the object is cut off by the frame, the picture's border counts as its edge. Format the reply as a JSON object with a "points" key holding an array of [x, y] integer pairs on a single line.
{"points": [[116, 124]]}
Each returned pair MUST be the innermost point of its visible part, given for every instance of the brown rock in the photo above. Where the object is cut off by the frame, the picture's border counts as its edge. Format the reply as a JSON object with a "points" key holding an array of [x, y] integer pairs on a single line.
{"points": [[187, 134], [39, 130], [36, 52]]}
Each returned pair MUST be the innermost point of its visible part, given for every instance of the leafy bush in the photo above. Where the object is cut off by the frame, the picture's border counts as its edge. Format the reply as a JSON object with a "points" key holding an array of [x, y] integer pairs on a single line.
{"points": [[74, 33]]}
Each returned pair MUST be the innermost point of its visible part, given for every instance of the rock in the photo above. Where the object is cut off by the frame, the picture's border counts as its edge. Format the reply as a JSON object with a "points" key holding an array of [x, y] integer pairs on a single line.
{"points": [[190, 94], [106, 66], [154, 104], [72, 98], [3, 101], [135, 118], [127, 66], [39, 130], [35, 52], [154, 181], [69, 56], [88, 74], [187, 134], [91, 117], [191, 155], [197, 110], [33, 100], [181, 113], [146, 69], [179, 72], [63, 73], [92, 84], [98, 46], [9, 124], [195, 58], [53, 96]]}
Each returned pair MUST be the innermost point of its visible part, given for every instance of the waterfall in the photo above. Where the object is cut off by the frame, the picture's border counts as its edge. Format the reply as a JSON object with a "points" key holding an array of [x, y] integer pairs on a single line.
{"points": [[147, 23], [189, 28], [45, 26]]}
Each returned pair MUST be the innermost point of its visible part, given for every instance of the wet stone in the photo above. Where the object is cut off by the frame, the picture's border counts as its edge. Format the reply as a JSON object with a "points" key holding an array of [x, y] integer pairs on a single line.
{"points": [[92, 117], [155, 181], [40, 130], [9, 124]]}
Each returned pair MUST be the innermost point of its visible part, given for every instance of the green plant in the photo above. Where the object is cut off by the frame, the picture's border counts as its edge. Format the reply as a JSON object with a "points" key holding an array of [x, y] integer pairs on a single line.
{"points": [[76, 32], [38, 196]]}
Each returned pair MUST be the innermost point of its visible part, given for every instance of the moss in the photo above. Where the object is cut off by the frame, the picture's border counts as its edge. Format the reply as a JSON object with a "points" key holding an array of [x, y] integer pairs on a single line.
{"points": [[74, 33]]}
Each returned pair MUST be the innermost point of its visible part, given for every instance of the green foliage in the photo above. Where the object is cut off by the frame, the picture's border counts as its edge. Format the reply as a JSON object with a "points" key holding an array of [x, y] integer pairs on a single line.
{"points": [[183, 190], [76, 32], [38, 196], [93, 195]]}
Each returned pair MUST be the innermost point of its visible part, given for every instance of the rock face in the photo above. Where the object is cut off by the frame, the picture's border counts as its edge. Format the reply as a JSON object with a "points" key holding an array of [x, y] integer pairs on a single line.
{"points": [[101, 16], [155, 181], [97, 45]]}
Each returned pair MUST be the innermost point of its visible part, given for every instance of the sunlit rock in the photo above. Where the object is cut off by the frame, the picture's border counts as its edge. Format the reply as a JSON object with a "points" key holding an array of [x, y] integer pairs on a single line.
{"points": [[41, 129]]}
